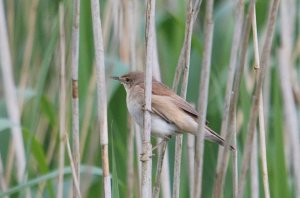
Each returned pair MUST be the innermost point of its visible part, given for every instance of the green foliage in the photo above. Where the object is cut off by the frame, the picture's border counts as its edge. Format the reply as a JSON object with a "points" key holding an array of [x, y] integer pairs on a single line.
{"points": [[50, 176], [40, 115], [278, 171]]}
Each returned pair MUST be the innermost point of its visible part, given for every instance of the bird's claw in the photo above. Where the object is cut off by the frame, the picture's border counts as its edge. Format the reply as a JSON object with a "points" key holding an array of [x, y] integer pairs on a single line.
{"points": [[167, 138], [145, 156], [145, 109]]}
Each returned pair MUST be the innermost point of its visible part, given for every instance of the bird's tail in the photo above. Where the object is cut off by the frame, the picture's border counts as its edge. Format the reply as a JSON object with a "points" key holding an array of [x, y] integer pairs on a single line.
{"points": [[214, 137]]}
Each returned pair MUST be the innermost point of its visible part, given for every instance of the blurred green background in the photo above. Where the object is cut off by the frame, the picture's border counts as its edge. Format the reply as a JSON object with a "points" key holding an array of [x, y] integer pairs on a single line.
{"points": [[40, 111]]}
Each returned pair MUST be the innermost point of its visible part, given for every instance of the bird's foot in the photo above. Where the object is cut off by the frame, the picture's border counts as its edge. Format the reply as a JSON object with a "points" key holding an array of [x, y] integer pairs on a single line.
{"points": [[144, 108], [165, 140], [147, 152], [145, 156]]}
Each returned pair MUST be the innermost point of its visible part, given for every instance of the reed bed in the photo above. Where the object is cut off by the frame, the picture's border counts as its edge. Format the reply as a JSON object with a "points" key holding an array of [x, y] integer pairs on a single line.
{"points": [[64, 126]]}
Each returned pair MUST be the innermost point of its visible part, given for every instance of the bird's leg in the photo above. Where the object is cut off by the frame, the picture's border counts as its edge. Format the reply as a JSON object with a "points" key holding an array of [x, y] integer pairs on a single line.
{"points": [[165, 139], [145, 109], [143, 156]]}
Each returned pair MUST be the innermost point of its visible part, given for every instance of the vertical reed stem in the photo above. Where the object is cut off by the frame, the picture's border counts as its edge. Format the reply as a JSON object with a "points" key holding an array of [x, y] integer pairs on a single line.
{"points": [[257, 94], [203, 96], [262, 132], [28, 51], [159, 169], [231, 71], [231, 128], [62, 102], [10, 96], [76, 190], [286, 80], [75, 99], [146, 136], [101, 93], [131, 12], [184, 63]]}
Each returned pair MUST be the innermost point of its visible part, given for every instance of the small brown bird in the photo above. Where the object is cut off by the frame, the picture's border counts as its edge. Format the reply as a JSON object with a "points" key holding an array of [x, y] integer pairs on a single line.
{"points": [[170, 115]]}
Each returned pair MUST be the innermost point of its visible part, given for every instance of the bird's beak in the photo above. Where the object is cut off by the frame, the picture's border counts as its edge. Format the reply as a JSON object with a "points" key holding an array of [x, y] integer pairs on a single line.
{"points": [[115, 78]]}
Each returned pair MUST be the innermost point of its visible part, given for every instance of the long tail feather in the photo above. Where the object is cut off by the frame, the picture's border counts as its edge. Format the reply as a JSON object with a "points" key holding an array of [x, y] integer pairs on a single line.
{"points": [[214, 137]]}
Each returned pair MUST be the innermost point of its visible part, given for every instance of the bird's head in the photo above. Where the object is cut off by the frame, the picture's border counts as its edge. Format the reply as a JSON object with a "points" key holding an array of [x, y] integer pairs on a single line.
{"points": [[130, 79]]}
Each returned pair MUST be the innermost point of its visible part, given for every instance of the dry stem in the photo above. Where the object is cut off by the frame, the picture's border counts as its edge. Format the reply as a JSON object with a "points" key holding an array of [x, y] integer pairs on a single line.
{"points": [[254, 169], [203, 96], [159, 170], [192, 11], [231, 70], [76, 190], [230, 126], [75, 99], [181, 60], [285, 73], [262, 133], [147, 147], [131, 11], [28, 51], [10, 96], [101, 93], [62, 108], [257, 94]]}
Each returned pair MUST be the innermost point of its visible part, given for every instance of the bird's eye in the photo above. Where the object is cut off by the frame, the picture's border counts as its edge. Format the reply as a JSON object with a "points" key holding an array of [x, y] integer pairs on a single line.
{"points": [[127, 80]]}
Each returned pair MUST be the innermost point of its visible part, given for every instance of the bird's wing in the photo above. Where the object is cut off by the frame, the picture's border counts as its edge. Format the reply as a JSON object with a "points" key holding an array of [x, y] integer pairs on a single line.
{"points": [[159, 113], [162, 107], [162, 90], [166, 108], [165, 101], [185, 106], [215, 137]]}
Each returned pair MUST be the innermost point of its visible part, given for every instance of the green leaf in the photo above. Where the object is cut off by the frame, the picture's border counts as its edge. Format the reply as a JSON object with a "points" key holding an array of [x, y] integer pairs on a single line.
{"points": [[38, 153], [45, 65], [48, 108], [279, 179], [95, 171]]}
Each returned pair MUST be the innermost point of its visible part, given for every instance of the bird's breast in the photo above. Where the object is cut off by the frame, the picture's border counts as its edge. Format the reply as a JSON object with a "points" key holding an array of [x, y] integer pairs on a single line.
{"points": [[135, 109], [159, 127]]}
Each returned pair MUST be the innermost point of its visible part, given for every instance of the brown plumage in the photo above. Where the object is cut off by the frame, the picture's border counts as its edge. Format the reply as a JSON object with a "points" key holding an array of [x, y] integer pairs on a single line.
{"points": [[171, 114]]}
